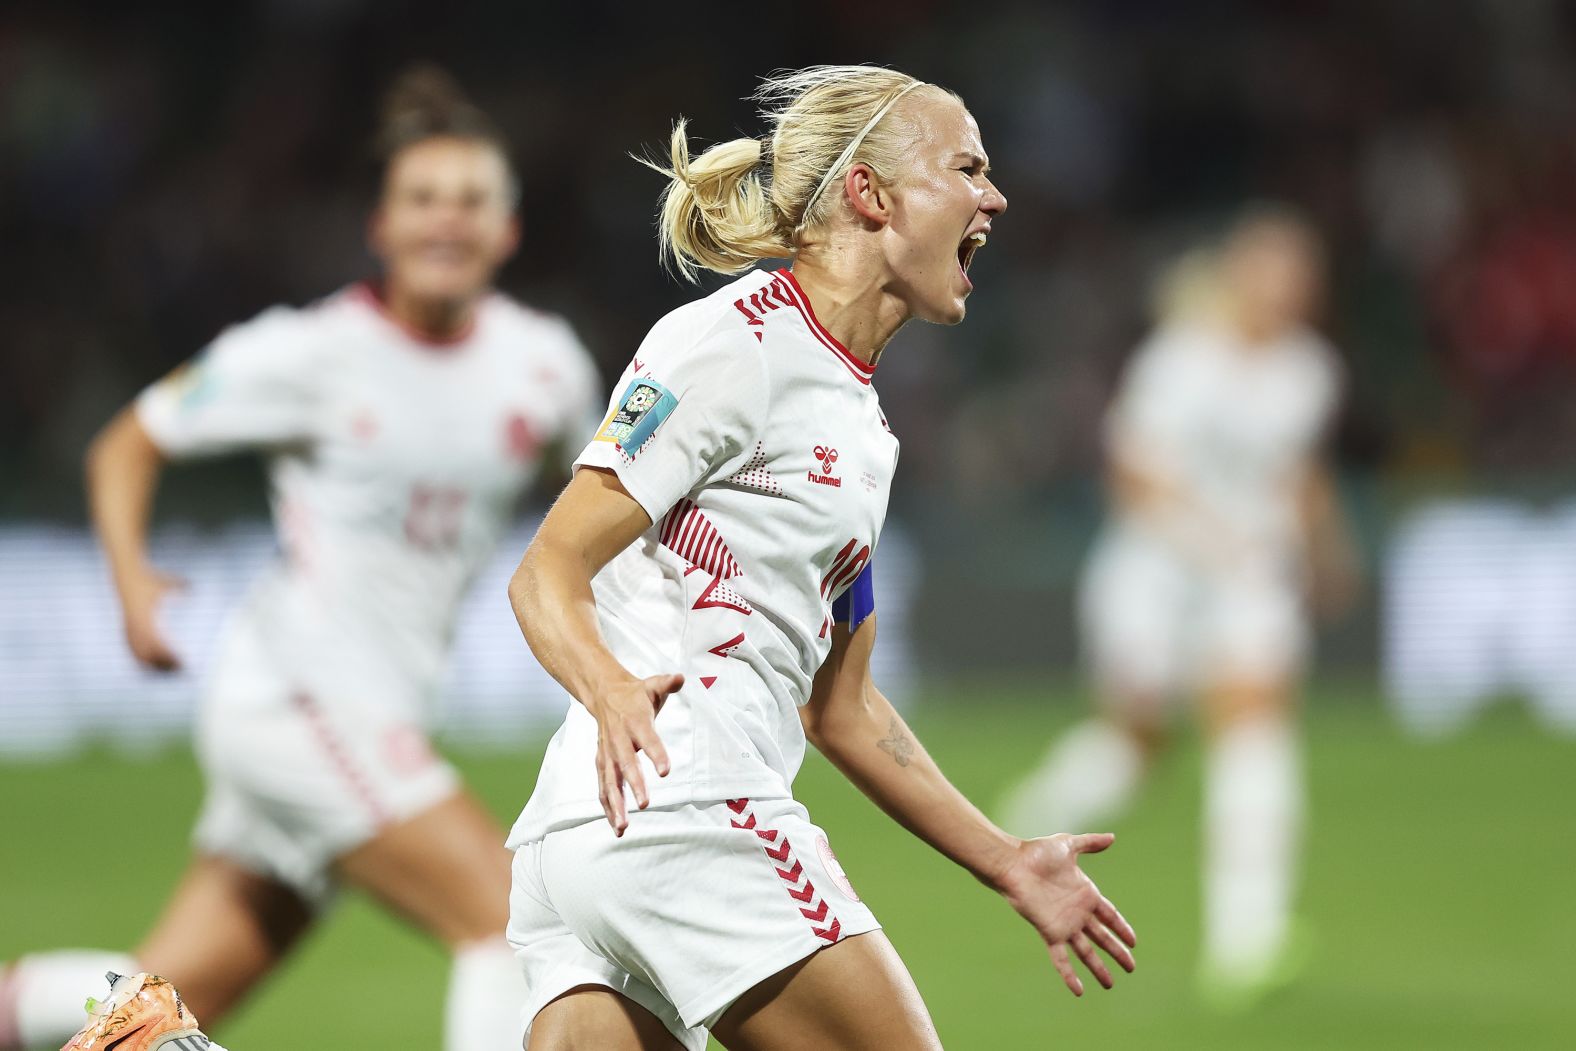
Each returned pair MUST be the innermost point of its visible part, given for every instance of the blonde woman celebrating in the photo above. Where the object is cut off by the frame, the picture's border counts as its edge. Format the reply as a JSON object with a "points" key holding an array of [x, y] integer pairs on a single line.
{"points": [[703, 590]]}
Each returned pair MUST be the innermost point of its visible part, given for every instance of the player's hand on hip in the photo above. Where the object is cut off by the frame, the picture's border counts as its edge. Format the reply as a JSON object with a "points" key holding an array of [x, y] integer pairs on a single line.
{"points": [[1045, 885], [626, 724], [141, 598]]}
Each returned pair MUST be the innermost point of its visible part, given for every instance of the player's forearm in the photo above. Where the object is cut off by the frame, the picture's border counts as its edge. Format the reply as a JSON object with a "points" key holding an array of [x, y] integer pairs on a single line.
{"points": [[121, 471], [556, 609], [874, 748]]}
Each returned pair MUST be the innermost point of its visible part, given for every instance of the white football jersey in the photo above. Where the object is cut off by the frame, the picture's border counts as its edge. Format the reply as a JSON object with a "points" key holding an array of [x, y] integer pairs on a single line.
{"points": [[757, 445], [1228, 425], [395, 464]]}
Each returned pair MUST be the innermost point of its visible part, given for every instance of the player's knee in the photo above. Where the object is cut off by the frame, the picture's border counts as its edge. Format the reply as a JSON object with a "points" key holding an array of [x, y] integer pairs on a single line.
{"points": [[1238, 703]]}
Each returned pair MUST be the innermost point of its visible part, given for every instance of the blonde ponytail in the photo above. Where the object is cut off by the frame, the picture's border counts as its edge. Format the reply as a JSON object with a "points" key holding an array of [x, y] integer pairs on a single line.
{"points": [[733, 206], [715, 211]]}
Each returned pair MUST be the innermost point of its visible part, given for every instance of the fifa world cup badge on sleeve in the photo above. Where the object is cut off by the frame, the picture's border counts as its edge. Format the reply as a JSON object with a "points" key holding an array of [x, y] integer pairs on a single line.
{"points": [[646, 403]]}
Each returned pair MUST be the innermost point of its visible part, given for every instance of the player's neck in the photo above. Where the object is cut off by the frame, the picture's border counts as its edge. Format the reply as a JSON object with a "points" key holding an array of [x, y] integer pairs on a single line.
{"points": [[438, 320], [1254, 329], [850, 303]]}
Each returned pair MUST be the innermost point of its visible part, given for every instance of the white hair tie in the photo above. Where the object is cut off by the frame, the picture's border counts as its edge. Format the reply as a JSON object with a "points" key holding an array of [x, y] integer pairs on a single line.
{"points": [[848, 152]]}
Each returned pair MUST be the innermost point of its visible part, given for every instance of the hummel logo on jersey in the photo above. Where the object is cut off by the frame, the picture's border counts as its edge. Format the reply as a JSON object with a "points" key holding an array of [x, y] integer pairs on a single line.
{"points": [[828, 456]]}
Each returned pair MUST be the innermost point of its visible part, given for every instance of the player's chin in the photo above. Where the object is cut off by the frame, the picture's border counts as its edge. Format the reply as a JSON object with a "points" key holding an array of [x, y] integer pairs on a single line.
{"points": [[947, 310], [444, 284]]}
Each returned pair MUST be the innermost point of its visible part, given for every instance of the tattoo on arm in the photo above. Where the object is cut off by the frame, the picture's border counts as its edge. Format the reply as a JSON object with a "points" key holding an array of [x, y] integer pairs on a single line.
{"points": [[897, 743]]}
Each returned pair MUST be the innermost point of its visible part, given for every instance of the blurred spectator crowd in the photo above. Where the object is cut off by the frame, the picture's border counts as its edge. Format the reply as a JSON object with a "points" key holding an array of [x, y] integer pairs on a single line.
{"points": [[164, 172]]}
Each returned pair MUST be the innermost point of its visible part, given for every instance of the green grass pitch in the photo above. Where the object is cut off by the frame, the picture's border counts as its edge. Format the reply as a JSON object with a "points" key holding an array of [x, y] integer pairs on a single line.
{"points": [[1439, 880]]}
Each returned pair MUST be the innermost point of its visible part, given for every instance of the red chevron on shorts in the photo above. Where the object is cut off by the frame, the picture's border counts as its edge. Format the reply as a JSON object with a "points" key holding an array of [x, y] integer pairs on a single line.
{"points": [[814, 908]]}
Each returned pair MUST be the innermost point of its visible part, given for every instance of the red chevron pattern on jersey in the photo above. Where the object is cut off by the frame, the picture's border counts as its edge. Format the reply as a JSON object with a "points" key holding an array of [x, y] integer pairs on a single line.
{"points": [[790, 870], [755, 475], [689, 534], [717, 595]]}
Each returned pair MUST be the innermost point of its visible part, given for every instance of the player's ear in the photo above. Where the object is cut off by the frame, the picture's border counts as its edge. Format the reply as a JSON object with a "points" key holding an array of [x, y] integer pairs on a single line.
{"points": [[870, 200]]}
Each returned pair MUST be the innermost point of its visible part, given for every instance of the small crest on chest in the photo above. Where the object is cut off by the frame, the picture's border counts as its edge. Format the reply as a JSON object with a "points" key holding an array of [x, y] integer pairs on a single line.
{"points": [[520, 440]]}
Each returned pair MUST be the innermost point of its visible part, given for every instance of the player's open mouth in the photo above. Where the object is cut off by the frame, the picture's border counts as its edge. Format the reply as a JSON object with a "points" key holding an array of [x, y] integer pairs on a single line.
{"points": [[970, 244], [446, 253]]}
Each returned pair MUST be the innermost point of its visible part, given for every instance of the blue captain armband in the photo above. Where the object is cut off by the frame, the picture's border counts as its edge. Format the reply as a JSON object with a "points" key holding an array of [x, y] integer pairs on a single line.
{"points": [[854, 606]]}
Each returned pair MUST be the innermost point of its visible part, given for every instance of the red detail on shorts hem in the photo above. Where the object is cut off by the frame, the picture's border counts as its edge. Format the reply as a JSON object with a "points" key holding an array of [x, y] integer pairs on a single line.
{"points": [[815, 909]]}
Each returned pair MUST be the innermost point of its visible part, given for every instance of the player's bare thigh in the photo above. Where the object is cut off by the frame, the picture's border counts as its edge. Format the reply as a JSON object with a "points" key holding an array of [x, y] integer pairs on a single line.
{"points": [[595, 1018], [855, 996], [445, 869], [222, 931]]}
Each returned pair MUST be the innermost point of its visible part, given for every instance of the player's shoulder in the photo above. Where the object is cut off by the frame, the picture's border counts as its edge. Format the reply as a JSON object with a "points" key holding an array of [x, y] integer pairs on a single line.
{"points": [[285, 332], [710, 331], [1174, 352], [521, 319], [1308, 351]]}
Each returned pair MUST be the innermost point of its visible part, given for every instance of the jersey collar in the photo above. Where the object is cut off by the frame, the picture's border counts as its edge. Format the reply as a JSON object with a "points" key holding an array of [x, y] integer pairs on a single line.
{"points": [[861, 370], [370, 293]]}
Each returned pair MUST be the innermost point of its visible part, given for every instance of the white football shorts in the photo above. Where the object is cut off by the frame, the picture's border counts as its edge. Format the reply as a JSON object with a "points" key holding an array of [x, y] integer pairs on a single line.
{"points": [[296, 778], [693, 907], [1155, 624]]}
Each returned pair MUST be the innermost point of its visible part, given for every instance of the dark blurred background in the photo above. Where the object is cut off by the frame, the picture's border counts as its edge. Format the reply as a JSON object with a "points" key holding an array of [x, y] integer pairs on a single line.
{"points": [[165, 171]]}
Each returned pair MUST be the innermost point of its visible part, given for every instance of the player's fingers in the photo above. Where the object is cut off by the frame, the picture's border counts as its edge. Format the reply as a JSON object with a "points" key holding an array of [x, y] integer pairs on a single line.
{"points": [[152, 651], [602, 795], [629, 769], [1108, 915], [1091, 842], [1091, 959], [662, 685], [647, 741], [1064, 967], [1102, 936], [613, 786]]}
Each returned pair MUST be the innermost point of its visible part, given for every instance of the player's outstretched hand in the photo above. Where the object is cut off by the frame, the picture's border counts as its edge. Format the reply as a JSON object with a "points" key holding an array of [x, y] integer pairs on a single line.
{"points": [[626, 724], [140, 600], [1048, 889]]}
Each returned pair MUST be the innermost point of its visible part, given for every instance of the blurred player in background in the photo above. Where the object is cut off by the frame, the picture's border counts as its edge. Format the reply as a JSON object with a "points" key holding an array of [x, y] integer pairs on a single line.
{"points": [[1223, 514], [401, 422], [703, 589]]}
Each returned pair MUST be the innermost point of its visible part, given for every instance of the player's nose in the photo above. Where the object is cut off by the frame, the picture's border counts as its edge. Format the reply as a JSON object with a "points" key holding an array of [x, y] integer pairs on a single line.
{"points": [[994, 202]]}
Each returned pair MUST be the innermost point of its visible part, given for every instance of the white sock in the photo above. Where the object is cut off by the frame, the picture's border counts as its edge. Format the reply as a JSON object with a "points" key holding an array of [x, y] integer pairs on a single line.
{"points": [[1252, 824], [486, 999], [44, 993], [1087, 777]]}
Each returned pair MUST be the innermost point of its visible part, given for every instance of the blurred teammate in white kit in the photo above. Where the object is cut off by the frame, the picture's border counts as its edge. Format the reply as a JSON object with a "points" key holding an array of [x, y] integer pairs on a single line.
{"points": [[1223, 513], [401, 421]]}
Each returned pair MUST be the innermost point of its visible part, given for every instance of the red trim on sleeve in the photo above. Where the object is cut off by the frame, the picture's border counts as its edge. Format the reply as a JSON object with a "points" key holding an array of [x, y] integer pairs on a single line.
{"points": [[862, 370]]}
